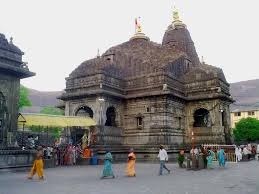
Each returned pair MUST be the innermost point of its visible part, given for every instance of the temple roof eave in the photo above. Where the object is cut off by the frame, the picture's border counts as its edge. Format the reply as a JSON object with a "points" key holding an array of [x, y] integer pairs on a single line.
{"points": [[17, 71]]}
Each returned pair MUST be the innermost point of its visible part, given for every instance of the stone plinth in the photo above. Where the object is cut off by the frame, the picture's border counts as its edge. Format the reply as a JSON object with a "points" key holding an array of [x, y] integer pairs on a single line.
{"points": [[16, 158]]}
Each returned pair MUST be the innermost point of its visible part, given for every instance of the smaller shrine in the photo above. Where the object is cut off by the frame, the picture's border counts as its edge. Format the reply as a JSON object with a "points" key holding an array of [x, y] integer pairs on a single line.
{"points": [[12, 70]]}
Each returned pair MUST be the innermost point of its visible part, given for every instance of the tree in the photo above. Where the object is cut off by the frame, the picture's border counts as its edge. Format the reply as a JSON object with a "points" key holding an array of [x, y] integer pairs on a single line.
{"points": [[52, 111], [23, 99], [247, 129], [55, 131]]}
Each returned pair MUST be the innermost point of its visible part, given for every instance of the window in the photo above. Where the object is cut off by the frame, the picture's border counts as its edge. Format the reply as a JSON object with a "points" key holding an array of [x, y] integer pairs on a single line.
{"points": [[111, 117], [148, 109], [237, 114], [179, 122], [139, 121], [250, 113]]}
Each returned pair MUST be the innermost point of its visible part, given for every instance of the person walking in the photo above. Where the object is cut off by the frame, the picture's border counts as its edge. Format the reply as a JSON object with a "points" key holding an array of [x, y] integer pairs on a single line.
{"points": [[163, 157], [221, 157], [238, 152], [130, 170], [37, 165], [107, 167], [210, 158]]}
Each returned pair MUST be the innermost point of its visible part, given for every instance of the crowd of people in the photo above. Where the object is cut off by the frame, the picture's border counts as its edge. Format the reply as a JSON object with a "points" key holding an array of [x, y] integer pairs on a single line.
{"points": [[68, 155], [108, 159], [130, 167], [247, 152], [65, 154], [207, 155]]}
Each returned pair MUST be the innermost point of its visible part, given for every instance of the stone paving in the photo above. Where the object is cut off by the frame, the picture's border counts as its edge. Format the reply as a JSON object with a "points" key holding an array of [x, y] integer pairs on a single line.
{"points": [[240, 178]]}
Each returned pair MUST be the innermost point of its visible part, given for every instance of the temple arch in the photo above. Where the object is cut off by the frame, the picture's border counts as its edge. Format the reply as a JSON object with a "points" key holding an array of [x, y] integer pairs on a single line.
{"points": [[202, 118], [84, 111]]}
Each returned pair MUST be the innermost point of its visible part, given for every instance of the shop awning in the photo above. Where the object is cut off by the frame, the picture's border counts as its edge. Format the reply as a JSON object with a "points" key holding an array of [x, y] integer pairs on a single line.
{"points": [[54, 120]]}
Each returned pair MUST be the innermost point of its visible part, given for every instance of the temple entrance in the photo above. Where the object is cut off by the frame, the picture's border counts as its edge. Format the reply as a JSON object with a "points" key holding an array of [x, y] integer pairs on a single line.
{"points": [[84, 111], [77, 134], [202, 118], [111, 116]]}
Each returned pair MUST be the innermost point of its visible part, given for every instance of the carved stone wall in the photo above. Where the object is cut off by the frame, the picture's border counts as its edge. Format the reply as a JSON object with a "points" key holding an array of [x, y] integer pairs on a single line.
{"points": [[214, 132], [161, 123], [9, 87]]}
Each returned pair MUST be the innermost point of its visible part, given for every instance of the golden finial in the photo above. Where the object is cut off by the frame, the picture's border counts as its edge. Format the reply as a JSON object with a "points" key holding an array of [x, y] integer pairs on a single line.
{"points": [[138, 31], [177, 23], [137, 26], [175, 14]]}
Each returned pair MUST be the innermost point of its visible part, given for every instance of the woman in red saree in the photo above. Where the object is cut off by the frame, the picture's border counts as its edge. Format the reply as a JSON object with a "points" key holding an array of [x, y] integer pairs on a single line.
{"points": [[131, 164]]}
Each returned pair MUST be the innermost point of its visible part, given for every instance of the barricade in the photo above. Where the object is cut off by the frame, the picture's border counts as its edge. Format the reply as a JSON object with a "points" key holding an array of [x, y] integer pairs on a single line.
{"points": [[229, 151]]}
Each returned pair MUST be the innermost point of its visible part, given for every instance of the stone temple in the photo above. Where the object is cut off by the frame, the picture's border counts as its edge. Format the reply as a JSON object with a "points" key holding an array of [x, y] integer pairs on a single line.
{"points": [[143, 94], [12, 69]]}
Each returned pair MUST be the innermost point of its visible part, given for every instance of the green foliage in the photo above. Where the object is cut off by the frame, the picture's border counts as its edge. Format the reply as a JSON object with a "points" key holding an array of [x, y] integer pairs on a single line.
{"points": [[52, 111], [23, 99], [247, 129], [55, 131]]}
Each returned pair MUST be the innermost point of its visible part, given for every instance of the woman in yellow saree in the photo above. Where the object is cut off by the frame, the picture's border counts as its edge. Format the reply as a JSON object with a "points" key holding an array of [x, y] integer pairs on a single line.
{"points": [[131, 164], [38, 165]]}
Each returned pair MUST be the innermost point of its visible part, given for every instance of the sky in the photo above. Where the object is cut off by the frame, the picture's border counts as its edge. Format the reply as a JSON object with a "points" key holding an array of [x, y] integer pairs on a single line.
{"points": [[58, 35]]}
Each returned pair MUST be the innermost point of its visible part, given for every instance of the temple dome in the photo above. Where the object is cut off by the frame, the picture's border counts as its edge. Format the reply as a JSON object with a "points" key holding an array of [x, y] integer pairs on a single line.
{"points": [[136, 57], [178, 36]]}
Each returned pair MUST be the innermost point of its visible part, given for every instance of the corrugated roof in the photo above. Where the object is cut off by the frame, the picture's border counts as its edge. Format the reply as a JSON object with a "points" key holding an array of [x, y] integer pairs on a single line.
{"points": [[55, 120]]}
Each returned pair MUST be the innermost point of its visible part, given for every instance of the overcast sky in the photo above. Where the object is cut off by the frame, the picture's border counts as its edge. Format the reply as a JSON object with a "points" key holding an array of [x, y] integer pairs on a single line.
{"points": [[57, 35]]}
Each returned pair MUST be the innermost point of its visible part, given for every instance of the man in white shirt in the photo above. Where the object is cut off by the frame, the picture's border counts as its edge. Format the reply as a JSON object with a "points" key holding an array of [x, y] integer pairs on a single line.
{"points": [[163, 157], [246, 153], [194, 151]]}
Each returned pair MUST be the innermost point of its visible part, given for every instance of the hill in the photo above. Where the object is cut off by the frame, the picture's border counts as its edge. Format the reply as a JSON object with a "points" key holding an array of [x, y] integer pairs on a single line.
{"points": [[245, 93], [40, 99]]}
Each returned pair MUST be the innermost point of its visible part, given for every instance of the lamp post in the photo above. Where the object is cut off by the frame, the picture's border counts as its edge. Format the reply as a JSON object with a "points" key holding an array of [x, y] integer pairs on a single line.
{"points": [[101, 101]]}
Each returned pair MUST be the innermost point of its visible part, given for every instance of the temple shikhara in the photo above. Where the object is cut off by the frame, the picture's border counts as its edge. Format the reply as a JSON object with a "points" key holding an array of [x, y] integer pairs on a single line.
{"points": [[143, 94]]}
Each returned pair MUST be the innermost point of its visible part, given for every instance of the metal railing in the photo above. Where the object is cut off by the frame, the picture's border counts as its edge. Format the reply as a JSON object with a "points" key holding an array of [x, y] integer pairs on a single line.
{"points": [[229, 151]]}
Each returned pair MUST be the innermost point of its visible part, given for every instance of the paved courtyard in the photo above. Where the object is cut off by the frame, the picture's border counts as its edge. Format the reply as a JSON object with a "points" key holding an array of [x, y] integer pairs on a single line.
{"points": [[241, 178]]}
